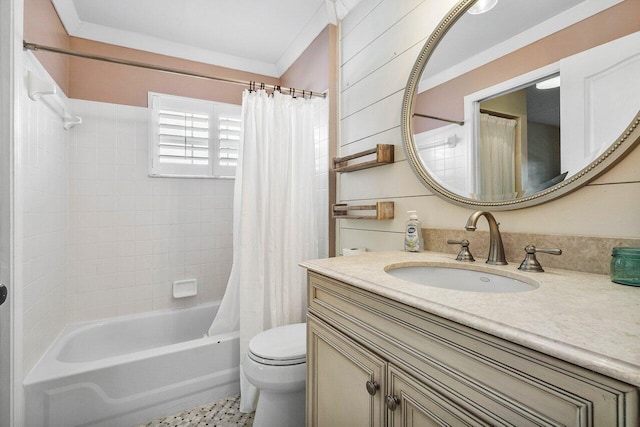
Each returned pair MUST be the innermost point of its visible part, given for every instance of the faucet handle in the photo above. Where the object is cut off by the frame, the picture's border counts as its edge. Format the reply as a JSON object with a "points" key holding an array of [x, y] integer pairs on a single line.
{"points": [[530, 262], [464, 254]]}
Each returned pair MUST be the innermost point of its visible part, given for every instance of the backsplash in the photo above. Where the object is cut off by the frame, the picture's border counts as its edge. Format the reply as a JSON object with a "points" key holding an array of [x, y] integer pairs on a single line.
{"points": [[579, 253]]}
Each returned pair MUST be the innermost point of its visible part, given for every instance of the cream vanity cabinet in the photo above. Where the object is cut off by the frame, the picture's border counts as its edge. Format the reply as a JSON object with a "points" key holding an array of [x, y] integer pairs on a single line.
{"points": [[376, 362]]}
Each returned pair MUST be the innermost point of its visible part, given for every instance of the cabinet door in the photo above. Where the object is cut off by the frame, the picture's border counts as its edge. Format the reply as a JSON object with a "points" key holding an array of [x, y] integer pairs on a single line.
{"points": [[413, 404], [345, 382]]}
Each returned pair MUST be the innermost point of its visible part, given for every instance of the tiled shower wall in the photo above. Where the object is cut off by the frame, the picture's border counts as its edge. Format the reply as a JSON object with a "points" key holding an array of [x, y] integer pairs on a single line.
{"points": [[101, 238], [131, 235], [42, 165], [322, 179], [449, 163]]}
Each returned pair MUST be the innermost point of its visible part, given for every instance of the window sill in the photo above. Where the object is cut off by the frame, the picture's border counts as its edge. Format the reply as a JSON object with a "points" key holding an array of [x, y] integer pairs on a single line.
{"points": [[189, 176]]}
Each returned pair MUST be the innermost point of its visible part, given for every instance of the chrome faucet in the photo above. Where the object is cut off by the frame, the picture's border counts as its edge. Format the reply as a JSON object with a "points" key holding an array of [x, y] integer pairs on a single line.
{"points": [[496, 249]]}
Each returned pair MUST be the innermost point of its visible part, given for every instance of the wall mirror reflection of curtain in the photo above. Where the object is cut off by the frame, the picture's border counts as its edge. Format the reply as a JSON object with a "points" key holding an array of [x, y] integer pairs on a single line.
{"points": [[534, 152], [496, 147]]}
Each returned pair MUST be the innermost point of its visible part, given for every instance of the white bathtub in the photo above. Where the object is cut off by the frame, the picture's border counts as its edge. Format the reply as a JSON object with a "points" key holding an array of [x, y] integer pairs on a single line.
{"points": [[132, 369]]}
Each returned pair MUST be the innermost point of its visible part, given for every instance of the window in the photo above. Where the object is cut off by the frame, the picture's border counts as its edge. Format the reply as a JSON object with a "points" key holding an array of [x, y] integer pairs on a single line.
{"points": [[193, 138]]}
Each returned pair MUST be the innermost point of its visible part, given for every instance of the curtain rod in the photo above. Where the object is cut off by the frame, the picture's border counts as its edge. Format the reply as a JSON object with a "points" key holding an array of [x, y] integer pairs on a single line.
{"points": [[252, 85], [439, 118]]}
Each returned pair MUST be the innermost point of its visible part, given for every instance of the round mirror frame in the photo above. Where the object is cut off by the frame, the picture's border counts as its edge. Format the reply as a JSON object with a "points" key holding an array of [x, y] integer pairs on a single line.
{"points": [[613, 154]]}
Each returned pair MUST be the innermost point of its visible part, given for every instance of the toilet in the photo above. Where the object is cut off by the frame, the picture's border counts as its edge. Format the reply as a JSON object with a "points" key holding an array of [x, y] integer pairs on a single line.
{"points": [[276, 364]]}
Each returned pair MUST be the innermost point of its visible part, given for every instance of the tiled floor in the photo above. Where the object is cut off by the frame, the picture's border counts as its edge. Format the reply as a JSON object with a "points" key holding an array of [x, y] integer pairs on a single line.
{"points": [[221, 413]]}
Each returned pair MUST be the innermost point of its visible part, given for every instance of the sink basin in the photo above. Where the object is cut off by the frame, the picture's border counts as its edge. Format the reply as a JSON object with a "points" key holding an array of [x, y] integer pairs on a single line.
{"points": [[459, 279]]}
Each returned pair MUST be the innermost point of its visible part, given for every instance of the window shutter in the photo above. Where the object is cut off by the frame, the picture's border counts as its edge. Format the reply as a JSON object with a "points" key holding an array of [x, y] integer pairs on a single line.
{"points": [[192, 137], [229, 136], [183, 138]]}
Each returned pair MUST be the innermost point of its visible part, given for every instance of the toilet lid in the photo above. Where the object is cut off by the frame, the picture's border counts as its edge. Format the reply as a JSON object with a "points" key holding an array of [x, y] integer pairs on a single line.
{"points": [[284, 345]]}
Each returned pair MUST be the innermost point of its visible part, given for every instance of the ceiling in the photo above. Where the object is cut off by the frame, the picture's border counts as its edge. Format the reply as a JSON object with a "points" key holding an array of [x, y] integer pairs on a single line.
{"points": [[475, 40], [474, 34], [261, 36]]}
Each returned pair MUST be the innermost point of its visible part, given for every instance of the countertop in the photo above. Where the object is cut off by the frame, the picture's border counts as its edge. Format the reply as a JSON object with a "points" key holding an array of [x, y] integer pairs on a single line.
{"points": [[581, 318]]}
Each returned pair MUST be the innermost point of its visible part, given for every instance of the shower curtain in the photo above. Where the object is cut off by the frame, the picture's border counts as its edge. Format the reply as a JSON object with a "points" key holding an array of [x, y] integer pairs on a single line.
{"points": [[273, 221], [497, 155]]}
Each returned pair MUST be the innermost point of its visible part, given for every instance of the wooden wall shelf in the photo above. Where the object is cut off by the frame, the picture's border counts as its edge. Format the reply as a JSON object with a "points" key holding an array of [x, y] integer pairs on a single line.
{"points": [[382, 210], [384, 156]]}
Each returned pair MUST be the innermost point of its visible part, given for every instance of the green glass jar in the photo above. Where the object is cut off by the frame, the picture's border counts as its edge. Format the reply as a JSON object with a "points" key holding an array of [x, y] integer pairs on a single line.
{"points": [[625, 266]]}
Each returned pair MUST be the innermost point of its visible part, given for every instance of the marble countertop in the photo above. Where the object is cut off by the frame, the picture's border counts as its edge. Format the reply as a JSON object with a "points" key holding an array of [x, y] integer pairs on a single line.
{"points": [[581, 318]]}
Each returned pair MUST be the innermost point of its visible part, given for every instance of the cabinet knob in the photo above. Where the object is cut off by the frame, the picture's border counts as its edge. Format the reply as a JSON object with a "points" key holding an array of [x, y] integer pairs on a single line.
{"points": [[392, 402], [372, 387], [3, 293]]}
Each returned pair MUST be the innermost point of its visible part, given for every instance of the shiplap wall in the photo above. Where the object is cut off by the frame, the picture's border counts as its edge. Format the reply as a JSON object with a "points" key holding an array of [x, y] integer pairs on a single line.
{"points": [[380, 41]]}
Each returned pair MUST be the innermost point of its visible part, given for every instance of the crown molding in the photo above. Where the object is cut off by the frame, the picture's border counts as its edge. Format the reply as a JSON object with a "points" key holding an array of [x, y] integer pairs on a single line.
{"points": [[303, 40], [77, 28]]}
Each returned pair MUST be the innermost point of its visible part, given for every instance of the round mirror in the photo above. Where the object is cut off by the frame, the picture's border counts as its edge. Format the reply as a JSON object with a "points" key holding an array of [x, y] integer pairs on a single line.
{"points": [[524, 101]]}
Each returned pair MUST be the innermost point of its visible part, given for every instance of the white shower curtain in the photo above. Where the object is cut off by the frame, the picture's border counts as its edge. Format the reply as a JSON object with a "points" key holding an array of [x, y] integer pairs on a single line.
{"points": [[274, 226], [497, 157]]}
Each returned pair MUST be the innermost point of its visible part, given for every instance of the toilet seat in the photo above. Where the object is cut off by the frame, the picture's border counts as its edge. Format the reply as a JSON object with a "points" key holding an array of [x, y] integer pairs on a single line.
{"points": [[281, 346]]}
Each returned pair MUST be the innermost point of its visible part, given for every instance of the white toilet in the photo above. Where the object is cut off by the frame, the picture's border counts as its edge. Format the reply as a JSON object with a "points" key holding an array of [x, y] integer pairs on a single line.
{"points": [[276, 364]]}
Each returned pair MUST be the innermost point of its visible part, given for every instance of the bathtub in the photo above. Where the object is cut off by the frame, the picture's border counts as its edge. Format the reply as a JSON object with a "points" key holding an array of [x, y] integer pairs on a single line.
{"points": [[131, 369]]}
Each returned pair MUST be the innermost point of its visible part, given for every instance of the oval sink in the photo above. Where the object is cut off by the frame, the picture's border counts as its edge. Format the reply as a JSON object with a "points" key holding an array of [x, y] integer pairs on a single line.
{"points": [[459, 279]]}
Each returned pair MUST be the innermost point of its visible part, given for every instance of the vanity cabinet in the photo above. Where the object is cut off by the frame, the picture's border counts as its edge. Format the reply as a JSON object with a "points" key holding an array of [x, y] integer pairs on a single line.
{"points": [[341, 370], [372, 361], [349, 384]]}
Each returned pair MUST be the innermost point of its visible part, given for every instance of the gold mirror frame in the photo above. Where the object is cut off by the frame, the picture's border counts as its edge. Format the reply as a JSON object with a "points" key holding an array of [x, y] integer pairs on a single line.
{"points": [[612, 155]]}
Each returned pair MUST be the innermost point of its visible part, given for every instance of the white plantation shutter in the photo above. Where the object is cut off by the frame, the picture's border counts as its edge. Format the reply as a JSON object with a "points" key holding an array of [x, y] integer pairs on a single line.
{"points": [[191, 137], [228, 142], [183, 138]]}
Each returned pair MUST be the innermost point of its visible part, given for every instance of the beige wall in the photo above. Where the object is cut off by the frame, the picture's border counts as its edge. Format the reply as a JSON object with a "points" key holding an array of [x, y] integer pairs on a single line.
{"points": [[380, 43], [311, 69], [98, 81], [42, 26], [119, 84], [601, 28]]}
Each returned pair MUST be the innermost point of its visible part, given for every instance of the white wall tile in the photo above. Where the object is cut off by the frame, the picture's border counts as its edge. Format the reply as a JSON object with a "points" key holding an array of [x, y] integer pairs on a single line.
{"points": [[321, 181], [135, 234], [45, 240]]}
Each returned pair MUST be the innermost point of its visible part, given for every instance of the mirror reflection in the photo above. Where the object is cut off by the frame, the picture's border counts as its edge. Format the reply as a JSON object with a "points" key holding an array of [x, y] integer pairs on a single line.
{"points": [[521, 98], [519, 135]]}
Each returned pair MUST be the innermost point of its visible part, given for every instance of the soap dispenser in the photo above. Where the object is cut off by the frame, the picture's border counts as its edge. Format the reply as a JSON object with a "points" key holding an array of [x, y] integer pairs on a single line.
{"points": [[412, 236]]}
